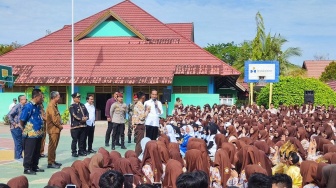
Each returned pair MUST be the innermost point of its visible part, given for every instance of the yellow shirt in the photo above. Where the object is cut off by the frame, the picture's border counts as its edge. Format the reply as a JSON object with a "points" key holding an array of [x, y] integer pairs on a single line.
{"points": [[294, 173]]}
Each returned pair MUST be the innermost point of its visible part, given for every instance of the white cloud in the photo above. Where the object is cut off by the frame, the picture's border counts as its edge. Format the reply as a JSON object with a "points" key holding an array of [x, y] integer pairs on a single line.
{"points": [[308, 24]]}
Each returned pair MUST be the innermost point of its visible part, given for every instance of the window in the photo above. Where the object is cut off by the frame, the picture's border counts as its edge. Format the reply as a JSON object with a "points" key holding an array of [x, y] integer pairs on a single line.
{"points": [[226, 99], [16, 89], [147, 90], [62, 92], [106, 89], [190, 89]]}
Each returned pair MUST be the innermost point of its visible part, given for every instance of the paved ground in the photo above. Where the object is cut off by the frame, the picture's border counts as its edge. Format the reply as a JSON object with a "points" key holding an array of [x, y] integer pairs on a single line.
{"points": [[10, 168]]}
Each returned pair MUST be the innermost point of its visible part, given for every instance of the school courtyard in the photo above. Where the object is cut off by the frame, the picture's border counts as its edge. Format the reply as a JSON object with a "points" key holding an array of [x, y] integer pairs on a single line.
{"points": [[10, 168]]}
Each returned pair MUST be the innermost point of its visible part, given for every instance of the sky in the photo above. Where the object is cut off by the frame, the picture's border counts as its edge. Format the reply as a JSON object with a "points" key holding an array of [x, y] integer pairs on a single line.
{"points": [[307, 24]]}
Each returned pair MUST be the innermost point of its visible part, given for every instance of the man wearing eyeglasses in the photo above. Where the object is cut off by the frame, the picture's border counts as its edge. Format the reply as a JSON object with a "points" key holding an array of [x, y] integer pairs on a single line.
{"points": [[79, 116]]}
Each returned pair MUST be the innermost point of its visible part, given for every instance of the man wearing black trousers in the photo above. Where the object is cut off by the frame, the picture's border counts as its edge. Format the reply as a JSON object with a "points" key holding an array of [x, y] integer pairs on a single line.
{"points": [[152, 120], [31, 123], [118, 113], [109, 103], [90, 128], [79, 116]]}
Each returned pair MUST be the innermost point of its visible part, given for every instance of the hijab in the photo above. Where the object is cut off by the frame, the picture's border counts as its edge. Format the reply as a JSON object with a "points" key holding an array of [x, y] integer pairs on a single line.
{"points": [[250, 169], [164, 138], [18, 182], [318, 177], [59, 179], [232, 131], [129, 153], [173, 170], [194, 161], [143, 143], [263, 146], [174, 146], [97, 161], [114, 156], [83, 172], [152, 157], [223, 165], [163, 152], [219, 139], [106, 156], [254, 135], [176, 155], [73, 176], [308, 170], [171, 133], [135, 164], [231, 151]]}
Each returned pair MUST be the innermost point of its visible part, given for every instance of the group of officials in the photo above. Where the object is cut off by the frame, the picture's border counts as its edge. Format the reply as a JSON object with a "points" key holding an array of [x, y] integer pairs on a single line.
{"points": [[29, 124]]}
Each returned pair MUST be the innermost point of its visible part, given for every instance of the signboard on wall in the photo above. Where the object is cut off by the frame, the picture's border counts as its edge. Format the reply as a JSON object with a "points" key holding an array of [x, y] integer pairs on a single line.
{"points": [[266, 70]]}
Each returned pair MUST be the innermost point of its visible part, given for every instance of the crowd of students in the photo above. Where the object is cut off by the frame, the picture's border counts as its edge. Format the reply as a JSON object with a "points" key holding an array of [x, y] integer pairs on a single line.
{"points": [[222, 146]]}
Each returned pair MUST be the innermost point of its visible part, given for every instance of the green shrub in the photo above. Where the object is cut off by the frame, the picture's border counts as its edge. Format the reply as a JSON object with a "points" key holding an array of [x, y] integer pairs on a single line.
{"points": [[290, 91], [6, 120], [65, 116]]}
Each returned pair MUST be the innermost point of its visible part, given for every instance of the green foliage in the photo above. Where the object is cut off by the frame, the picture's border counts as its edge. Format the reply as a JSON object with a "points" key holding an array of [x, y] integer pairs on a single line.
{"points": [[329, 72], [65, 116], [5, 119], [290, 91], [4, 48]]}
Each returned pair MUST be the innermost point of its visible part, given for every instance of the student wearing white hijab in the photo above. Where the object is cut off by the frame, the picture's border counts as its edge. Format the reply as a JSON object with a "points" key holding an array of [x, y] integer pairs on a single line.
{"points": [[143, 143], [171, 133]]}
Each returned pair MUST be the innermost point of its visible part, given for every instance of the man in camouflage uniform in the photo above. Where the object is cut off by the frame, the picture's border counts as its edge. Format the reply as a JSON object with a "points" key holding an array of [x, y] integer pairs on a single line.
{"points": [[130, 114]]}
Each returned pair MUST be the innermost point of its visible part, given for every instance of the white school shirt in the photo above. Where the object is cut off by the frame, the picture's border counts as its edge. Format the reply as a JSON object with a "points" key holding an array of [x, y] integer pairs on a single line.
{"points": [[153, 116], [92, 114]]}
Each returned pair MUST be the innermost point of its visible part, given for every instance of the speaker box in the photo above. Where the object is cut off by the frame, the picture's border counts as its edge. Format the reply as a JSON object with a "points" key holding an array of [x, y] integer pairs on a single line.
{"points": [[308, 96], [166, 95]]}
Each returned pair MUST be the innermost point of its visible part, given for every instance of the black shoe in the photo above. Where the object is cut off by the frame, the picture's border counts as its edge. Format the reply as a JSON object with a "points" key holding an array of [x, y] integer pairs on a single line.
{"points": [[92, 151], [107, 144], [118, 144], [82, 154], [123, 147], [75, 155], [113, 148], [53, 166], [129, 141], [38, 170], [42, 156], [29, 172], [59, 164]]}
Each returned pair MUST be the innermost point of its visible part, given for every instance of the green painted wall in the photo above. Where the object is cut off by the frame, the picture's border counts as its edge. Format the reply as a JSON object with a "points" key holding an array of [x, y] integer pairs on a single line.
{"points": [[194, 99], [5, 100], [111, 29], [84, 91], [190, 81]]}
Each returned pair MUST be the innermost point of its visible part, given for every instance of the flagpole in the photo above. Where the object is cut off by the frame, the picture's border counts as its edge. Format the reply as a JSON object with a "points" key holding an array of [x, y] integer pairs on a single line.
{"points": [[72, 49]]}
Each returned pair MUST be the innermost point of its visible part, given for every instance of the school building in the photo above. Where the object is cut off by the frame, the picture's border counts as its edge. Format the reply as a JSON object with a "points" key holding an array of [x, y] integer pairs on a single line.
{"points": [[122, 48]]}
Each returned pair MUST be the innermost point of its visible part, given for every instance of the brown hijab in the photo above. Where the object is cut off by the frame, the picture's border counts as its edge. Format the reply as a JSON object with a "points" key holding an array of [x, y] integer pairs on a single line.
{"points": [[194, 161], [322, 141], [176, 155], [163, 152], [174, 146], [254, 135], [263, 146], [173, 170], [318, 177], [219, 139], [59, 179], [124, 166], [308, 170], [303, 133], [135, 163], [250, 169], [232, 131], [223, 165], [97, 162], [73, 176], [130, 153], [18, 182], [165, 139], [106, 156], [95, 177], [83, 172], [87, 161], [298, 145], [152, 157], [231, 151], [199, 144]]}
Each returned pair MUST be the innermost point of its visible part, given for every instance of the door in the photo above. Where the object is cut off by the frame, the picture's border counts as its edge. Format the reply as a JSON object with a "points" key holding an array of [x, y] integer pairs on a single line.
{"points": [[100, 101]]}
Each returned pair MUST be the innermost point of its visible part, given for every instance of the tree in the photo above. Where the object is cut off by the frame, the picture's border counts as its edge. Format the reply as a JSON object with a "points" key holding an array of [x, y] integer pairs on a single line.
{"points": [[227, 52], [329, 72], [290, 91], [5, 48]]}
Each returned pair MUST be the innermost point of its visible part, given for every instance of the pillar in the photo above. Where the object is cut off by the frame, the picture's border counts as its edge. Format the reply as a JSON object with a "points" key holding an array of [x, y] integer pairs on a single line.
{"points": [[211, 85], [128, 96]]}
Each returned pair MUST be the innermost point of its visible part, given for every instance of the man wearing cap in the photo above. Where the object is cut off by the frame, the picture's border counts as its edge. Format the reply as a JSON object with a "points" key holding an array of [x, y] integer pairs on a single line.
{"points": [[13, 104], [117, 114], [79, 116], [130, 114]]}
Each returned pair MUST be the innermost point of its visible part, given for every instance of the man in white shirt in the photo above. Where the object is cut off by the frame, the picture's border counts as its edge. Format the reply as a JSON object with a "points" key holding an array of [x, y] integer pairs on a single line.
{"points": [[90, 128], [12, 105], [152, 120], [272, 109]]}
